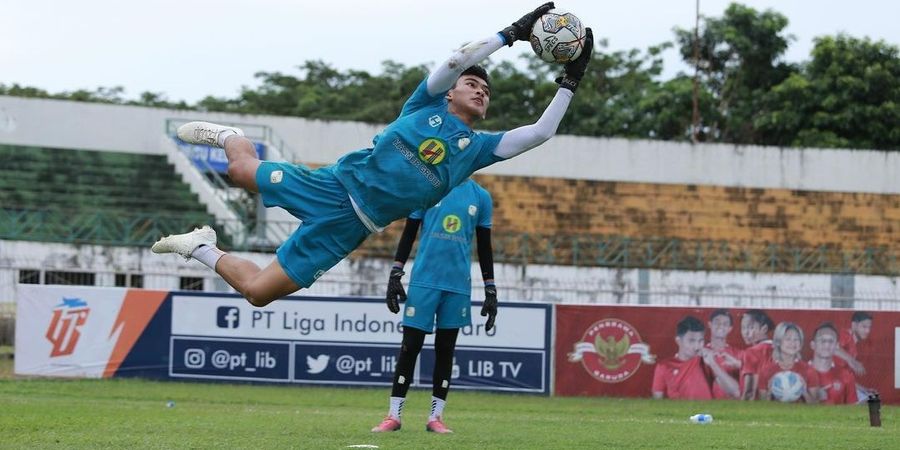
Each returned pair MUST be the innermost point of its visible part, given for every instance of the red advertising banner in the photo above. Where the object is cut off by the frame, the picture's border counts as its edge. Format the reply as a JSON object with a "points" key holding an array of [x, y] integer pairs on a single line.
{"points": [[644, 351]]}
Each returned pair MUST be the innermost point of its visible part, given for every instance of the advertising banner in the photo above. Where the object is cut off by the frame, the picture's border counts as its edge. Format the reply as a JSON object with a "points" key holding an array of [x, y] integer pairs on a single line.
{"points": [[616, 351], [104, 332], [75, 331], [208, 158]]}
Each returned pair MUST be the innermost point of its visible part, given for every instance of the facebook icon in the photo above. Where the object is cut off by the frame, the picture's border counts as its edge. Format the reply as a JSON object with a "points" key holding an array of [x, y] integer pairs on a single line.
{"points": [[228, 317]]}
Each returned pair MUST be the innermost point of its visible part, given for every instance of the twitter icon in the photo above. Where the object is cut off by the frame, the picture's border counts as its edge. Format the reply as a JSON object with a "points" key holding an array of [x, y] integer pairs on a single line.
{"points": [[317, 364]]}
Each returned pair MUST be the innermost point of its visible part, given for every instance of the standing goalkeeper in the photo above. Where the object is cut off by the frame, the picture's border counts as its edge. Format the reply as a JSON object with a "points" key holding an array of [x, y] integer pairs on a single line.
{"points": [[412, 164], [440, 286]]}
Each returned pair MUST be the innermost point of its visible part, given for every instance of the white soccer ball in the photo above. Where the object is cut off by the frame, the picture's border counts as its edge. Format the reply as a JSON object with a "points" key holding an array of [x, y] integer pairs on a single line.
{"points": [[787, 386], [557, 36]]}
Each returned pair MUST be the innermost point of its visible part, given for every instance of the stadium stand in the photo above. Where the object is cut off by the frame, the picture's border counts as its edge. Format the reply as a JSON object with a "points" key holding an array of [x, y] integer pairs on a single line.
{"points": [[95, 197], [584, 220]]}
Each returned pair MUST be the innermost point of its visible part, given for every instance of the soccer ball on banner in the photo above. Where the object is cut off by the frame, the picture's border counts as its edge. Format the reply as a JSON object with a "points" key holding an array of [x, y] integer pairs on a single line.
{"points": [[787, 386], [557, 36]]}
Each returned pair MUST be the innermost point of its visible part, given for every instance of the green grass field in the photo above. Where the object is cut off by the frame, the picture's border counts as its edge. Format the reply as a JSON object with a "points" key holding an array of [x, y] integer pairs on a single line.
{"points": [[125, 413]]}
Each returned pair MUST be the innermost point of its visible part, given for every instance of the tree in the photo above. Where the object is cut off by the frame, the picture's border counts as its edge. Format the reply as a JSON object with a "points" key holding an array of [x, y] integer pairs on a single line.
{"points": [[847, 96], [738, 62]]}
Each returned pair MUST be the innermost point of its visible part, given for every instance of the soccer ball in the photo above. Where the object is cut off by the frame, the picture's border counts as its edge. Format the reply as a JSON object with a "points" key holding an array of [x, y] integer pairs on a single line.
{"points": [[557, 36], [787, 386]]}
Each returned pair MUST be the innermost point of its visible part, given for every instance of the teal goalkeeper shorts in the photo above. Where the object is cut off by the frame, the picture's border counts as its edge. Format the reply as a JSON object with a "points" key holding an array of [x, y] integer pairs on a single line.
{"points": [[330, 229], [453, 310]]}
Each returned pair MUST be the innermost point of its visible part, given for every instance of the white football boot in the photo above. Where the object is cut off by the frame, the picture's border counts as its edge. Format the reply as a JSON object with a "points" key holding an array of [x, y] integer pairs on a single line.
{"points": [[204, 133], [185, 244]]}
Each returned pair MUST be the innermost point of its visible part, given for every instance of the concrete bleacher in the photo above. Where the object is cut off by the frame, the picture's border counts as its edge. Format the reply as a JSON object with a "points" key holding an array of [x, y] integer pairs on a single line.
{"points": [[691, 212], [61, 195]]}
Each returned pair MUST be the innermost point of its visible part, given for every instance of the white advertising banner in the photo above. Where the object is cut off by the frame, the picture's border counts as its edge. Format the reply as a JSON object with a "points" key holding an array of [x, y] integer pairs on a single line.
{"points": [[897, 358], [65, 330], [79, 331], [339, 320]]}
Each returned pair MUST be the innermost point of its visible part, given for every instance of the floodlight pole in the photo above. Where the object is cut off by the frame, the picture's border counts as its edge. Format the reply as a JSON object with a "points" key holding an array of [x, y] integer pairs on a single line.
{"points": [[695, 118]]}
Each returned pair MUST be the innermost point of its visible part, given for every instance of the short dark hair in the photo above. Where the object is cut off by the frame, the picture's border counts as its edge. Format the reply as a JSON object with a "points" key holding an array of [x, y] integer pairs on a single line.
{"points": [[760, 317], [859, 316], [478, 71], [827, 325], [721, 312], [689, 323]]}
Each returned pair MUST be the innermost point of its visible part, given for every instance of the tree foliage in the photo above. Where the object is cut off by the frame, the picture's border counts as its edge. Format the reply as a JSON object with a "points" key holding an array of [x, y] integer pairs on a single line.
{"points": [[845, 95], [738, 60]]}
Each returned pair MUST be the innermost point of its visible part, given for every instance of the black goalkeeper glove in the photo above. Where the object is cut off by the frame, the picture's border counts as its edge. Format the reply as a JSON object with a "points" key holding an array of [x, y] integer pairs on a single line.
{"points": [[489, 308], [520, 30], [574, 69], [395, 291]]}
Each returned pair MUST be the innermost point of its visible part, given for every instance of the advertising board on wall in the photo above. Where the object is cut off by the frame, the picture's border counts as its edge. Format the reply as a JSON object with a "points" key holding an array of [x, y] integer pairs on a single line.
{"points": [[618, 350], [104, 332]]}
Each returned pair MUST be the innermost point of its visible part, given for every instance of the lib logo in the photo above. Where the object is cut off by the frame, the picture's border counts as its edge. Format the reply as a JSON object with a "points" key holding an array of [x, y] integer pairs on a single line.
{"points": [[63, 332], [317, 364], [228, 317]]}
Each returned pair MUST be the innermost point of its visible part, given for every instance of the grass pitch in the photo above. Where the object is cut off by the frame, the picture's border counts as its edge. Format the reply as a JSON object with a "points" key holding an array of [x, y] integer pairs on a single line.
{"points": [[127, 413]]}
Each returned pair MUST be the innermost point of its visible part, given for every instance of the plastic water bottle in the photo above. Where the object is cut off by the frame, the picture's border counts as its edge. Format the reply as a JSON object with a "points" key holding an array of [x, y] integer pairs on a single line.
{"points": [[170, 404], [701, 418]]}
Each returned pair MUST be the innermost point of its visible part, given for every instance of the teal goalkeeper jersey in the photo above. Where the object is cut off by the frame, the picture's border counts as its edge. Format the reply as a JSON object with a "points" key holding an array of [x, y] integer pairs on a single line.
{"points": [[415, 161], [444, 258]]}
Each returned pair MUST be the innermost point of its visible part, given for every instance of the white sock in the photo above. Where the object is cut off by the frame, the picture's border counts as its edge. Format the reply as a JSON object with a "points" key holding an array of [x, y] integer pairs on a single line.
{"points": [[224, 134], [437, 408], [208, 255], [397, 407]]}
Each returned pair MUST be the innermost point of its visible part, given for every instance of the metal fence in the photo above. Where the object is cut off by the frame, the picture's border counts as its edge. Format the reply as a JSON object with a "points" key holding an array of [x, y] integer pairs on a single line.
{"points": [[141, 230]]}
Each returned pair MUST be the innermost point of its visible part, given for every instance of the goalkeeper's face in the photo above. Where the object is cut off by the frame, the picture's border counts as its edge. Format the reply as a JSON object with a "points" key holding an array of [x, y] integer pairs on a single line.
{"points": [[469, 98]]}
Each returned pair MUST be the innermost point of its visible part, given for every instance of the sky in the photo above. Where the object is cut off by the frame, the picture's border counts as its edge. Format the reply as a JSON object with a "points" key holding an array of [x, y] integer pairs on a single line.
{"points": [[189, 49]]}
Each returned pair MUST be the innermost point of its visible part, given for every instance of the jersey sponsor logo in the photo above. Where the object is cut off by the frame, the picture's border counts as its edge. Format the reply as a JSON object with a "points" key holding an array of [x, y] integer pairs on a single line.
{"points": [[432, 151], [451, 223], [473, 210], [462, 143], [65, 325], [410, 156], [435, 121], [276, 176], [611, 351]]}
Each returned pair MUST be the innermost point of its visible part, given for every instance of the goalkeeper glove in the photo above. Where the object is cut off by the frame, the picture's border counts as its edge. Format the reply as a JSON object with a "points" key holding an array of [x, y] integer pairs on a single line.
{"points": [[395, 291], [520, 30], [574, 69], [489, 308]]}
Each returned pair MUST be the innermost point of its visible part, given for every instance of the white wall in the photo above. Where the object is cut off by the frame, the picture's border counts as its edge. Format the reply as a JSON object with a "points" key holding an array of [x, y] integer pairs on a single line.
{"points": [[556, 284], [65, 124]]}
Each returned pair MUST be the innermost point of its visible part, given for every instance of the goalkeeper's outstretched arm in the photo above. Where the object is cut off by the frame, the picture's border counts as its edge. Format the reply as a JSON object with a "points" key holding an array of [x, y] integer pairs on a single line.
{"points": [[525, 138], [445, 76]]}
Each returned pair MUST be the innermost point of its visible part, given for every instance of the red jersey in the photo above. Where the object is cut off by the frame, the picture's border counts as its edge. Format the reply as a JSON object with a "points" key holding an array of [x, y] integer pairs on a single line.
{"points": [[839, 385], [735, 372], [770, 368], [847, 342], [754, 357], [682, 379]]}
